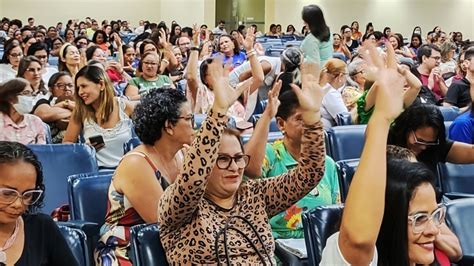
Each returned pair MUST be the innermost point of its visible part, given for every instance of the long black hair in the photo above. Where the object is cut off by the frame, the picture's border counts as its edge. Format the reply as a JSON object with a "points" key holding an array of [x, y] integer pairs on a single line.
{"points": [[12, 152], [314, 17], [403, 178]]}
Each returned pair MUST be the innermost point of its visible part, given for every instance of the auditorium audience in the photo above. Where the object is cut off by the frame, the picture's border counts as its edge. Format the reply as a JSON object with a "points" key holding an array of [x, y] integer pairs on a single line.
{"points": [[99, 115], [31, 237], [16, 122], [210, 191], [164, 123], [273, 159]]}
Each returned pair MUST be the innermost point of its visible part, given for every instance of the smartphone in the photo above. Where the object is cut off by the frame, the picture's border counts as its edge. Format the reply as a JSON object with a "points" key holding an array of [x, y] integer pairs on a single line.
{"points": [[97, 140]]}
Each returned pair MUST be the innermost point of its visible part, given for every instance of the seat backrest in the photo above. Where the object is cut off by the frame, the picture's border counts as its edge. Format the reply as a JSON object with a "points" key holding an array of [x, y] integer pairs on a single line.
{"points": [[346, 170], [459, 217], [145, 246], [273, 123], [457, 177], [77, 242], [449, 112], [88, 196], [346, 142], [131, 144], [47, 129], [344, 119], [60, 161], [199, 119], [318, 225], [447, 124]]}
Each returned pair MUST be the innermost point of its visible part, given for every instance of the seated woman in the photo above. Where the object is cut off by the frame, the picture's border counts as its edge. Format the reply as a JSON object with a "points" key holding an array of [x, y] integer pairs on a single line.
{"points": [[334, 78], [402, 197], [366, 102], [10, 60], [100, 39], [129, 60], [31, 238], [462, 129], [57, 109], [70, 59], [208, 201], [16, 122], [273, 159], [340, 47], [99, 114], [229, 49], [448, 63], [57, 43], [30, 68], [150, 78], [164, 124], [400, 50], [420, 128]]}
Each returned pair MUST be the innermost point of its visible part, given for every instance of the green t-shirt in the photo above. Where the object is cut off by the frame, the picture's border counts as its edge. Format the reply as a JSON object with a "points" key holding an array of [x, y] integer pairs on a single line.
{"points": [[288, 224], [364, 115], [145, 85]]}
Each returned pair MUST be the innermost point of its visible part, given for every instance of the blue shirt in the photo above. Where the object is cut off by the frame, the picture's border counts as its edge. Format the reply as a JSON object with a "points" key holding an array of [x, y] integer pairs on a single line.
{"points": [[462, 129], [235, 61]]}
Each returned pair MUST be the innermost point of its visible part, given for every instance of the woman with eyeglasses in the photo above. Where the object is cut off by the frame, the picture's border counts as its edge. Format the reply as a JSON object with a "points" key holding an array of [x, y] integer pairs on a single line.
{"points": [[30, 68], [57, 109], [420, 128], [164, 123], [399, 220], [209, 214], [16, 122], [150, 79], [10, 60], [103, 119], [30, 238]]}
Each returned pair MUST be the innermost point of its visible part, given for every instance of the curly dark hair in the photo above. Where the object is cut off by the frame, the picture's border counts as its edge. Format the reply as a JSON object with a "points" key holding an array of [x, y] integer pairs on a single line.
{"points": [[12, 152], [157, 107]]}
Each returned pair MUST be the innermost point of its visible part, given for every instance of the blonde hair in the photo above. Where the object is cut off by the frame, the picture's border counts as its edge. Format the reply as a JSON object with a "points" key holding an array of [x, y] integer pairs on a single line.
{"points": [[82, 111], [332, 69]]}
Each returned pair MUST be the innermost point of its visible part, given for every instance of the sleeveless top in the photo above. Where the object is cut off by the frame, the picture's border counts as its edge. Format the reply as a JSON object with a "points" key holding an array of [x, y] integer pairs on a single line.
{"points": [[114, 138], [114, 241]]}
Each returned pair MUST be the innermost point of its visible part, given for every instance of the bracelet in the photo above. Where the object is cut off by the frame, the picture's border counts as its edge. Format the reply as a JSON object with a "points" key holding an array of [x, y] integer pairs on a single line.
{"points": [[166, 61], [194, 49], [251, 52]]}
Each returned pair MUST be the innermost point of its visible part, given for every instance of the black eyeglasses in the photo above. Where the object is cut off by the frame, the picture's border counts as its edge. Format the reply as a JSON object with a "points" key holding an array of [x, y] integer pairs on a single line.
{"points": [[224, 161], [62, 86], [421, 142], [188, 118]]}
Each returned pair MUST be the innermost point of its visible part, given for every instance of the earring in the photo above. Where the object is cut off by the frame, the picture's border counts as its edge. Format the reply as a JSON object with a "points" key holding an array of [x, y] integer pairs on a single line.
{"points": [[283, 132]]}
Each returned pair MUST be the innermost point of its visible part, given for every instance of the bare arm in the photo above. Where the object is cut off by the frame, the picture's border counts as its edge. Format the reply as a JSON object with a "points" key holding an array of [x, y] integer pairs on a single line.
{"points": [[51, 113], [72, 132], [255, 147], [191, 69], [461, 153], [358, 233], [414, 88], [257, 71], [131, 91]]}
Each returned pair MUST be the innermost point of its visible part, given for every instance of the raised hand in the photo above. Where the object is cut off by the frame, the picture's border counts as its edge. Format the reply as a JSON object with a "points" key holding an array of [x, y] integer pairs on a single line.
{"points": [[310, 96], [249, 39], [224, 95], [196, 33], [273, 102], [389, 98]]}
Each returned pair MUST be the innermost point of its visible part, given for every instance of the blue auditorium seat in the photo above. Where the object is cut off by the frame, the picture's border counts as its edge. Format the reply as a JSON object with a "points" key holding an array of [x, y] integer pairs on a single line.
{"points": [[76, 239], [346, 142], [318, 225], [344, 119], [459, 217], [53, 61], [199, 119], [456, 178], [346, 170], [273, 124], [145, 246], [272, 137], [60, 161], [449, 112], [131, 144], [49, 138]]}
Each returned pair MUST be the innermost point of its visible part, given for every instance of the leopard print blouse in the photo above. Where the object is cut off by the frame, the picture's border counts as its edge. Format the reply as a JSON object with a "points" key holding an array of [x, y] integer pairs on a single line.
{"points": [[189, 223]]}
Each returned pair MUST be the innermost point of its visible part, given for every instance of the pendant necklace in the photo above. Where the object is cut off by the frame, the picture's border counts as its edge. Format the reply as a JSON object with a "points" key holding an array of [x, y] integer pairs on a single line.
{"points": [[9, 243]]}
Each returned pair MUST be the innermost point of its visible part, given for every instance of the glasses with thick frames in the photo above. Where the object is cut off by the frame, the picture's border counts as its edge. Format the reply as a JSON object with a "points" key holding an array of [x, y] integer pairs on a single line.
{"points": [[224, 161], [188, 118], [419, 221], [30, 197], [420, 142]]}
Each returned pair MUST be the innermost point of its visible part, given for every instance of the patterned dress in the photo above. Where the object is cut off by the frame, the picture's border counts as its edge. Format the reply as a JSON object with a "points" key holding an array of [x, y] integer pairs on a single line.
{"points": [[114, 242]]}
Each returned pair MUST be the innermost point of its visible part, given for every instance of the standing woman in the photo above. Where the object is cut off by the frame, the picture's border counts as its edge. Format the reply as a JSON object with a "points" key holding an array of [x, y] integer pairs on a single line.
{"points": [[317, 46], [31, 238], [10, 61], [99, 114]]}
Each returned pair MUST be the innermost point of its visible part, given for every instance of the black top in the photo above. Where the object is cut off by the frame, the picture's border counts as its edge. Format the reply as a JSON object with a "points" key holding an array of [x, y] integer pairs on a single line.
{"points": [[44, 243], [353, 46], [458, 93]]}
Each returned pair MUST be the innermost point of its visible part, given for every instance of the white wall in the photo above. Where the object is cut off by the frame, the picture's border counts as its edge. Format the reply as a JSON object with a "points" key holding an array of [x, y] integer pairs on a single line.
{"points": [[400, 15]]}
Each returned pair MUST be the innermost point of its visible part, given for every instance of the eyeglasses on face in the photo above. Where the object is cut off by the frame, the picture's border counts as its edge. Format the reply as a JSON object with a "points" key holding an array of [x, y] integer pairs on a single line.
{"points": [[30, 197], [224, 161], [62, 86], [150, 63], [420, 221], [188, 118], [16, 55], [422, 142]]}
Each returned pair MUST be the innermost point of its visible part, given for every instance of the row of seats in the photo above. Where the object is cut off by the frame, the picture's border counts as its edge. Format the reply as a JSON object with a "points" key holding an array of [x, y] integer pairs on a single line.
{"points": [[322, 222]]}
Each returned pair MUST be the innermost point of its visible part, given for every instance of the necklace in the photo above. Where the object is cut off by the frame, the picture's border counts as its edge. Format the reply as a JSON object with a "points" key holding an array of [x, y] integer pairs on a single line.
{"points": [[168, 177], [10, 241]]}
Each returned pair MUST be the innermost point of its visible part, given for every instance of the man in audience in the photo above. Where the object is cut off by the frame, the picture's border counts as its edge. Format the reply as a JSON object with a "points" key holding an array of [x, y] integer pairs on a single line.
{"points": [[220, 29], [31, 22], [26, 31], [458, 93], [90, 31], [434, 88], [184, 44]]}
